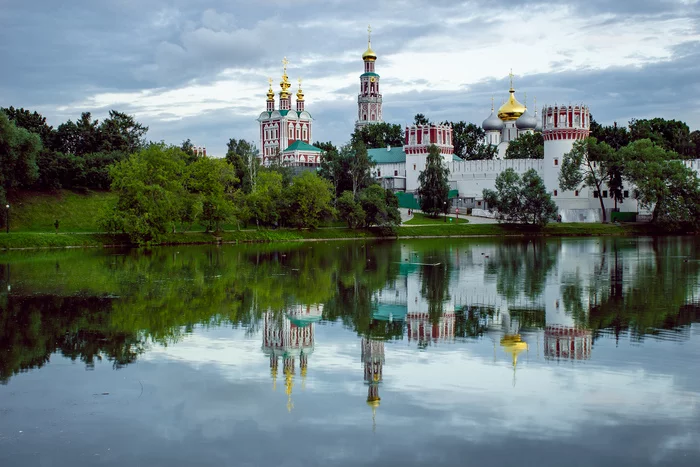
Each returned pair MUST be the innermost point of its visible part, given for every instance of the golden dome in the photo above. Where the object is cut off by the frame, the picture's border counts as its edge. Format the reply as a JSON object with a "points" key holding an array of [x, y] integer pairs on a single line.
{"points": [[512, 109], [369, 55], [285, 84], [270, 92], [300, 93]]}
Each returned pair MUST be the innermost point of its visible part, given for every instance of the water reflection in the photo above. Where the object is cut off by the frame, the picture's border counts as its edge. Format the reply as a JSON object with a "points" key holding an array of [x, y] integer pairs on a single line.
{"points": [[486, 326]]}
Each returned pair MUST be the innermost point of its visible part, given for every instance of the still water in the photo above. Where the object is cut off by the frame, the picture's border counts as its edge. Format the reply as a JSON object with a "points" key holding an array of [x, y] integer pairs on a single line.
{"points": [[450, 352]]}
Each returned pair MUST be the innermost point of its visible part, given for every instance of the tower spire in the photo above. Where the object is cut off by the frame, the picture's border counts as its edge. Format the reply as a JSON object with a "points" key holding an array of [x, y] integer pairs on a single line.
{"points": [[369, 36], [491, 104]]}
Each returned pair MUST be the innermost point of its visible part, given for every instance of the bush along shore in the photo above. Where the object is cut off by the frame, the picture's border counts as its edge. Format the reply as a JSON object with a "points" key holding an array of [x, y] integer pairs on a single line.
{"points": [[29, 240]]}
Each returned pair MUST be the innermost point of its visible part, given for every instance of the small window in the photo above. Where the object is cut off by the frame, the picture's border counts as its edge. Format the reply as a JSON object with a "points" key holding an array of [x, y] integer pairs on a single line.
{"points": [[396, 173], [414, 166], [595, 194], [379, 173], [555, 192], [605, 194], [556, 161], [626, 194], [478, 203], [576, 193]]}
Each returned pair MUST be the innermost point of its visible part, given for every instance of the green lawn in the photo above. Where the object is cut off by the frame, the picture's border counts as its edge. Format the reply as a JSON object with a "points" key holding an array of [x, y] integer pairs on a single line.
{"points": [[37, 211], [422, 219]]}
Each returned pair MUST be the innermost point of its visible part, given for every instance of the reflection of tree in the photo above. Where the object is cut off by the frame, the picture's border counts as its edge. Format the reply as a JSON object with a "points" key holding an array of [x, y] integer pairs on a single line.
{"points": [[657, 294], [473, 321], [435, 281], [32, 328], [521, 266]]}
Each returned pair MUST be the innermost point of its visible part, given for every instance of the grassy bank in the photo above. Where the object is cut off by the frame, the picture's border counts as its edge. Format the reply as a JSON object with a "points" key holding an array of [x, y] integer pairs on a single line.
{"points": [[37, 211], [50, 240]]}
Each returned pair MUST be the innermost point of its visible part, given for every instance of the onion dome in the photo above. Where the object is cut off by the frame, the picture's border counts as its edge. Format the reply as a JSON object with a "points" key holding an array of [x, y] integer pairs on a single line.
{"points": [[285, 84], [526, 121], [300, 93], [493, 123], [512, 109], [270, 92], [369, 55]]}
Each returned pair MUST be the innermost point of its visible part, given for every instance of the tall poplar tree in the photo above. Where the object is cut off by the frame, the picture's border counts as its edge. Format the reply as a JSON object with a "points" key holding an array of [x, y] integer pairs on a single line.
{"points": [[434, 190]]}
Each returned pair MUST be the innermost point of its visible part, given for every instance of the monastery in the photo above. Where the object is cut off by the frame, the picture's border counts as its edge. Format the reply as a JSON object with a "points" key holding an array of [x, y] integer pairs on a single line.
{"points": [[286, 135]]}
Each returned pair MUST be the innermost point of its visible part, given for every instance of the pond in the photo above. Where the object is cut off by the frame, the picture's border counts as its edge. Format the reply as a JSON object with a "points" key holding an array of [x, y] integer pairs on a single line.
{"points": [[541, 352]]}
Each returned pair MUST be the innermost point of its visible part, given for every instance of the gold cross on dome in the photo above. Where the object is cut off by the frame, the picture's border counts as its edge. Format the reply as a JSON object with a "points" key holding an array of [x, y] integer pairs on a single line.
{"points": [[491, 103], [511, 78], [285, 62], [269, 80], [299, 82], [369, 33]]}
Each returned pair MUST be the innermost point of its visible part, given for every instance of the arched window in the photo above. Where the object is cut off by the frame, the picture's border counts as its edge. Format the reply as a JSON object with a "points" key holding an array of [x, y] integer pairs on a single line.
{"points": [[305, 137], [291, 131]]}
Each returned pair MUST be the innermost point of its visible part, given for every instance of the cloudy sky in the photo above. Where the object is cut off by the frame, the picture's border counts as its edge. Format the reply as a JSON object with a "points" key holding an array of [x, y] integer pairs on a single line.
{"points": [[199, 69]]}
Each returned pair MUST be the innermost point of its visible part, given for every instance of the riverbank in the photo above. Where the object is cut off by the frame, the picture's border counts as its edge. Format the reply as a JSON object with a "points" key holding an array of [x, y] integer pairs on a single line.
{"points": [[27, 240]]}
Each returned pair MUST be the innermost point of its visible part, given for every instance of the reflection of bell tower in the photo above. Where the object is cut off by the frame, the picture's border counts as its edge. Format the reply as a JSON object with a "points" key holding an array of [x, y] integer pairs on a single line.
{"points": [[289, 341], [373, 359]]}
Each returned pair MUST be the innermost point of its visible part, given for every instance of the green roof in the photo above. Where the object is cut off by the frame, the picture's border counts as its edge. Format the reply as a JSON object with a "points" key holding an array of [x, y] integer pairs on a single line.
{"points": [[386, 312], [299, 145], [456, 158], [384, 156], [283, 112], [369, 74]]}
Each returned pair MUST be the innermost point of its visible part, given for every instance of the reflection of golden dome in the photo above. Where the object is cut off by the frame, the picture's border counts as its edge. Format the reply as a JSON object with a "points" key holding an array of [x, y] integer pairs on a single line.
{"points": [[372, 402], [513, 345], [512, 109]]}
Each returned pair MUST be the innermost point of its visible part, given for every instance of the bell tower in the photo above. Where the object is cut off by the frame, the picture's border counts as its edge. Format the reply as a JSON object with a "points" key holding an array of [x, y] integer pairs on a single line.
{"points": [[369, 100]]}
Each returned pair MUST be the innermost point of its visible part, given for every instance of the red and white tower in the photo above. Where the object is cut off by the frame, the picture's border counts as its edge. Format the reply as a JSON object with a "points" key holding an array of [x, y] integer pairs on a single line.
{"points": [[369, 100], [418, 138], [562, 126], [421, 329]]}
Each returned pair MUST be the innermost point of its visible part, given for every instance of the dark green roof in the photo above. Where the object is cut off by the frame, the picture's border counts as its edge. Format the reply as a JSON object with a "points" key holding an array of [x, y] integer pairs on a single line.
{"points": [[283, 112], [299, 145], [382, 156], [383, 312], [369, 74]]}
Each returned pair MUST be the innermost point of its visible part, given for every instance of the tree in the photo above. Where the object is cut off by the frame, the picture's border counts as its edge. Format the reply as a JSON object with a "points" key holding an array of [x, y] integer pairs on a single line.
{"points": [[469, 143], [121, 132], [266, 201], [350, 210], [335, 167], [359, 165], [151, 192], [379, 135], [615, 136], [243, 155], [18, 152], [379, 207], [309, 200], [434, 189], [521, 199], [527, 146], [421, 119], [666, 184], [672, 135], [212, 181], [588, 164], [33, 122]]}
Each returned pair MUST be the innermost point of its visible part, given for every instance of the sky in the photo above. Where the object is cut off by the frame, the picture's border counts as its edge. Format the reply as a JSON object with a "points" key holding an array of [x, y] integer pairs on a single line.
{"points": [[199, 70]]}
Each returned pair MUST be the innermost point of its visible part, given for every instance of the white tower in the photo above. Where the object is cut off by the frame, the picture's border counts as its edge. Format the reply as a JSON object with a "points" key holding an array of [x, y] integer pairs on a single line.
{"points": [[418, 138], [562, 126]]}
